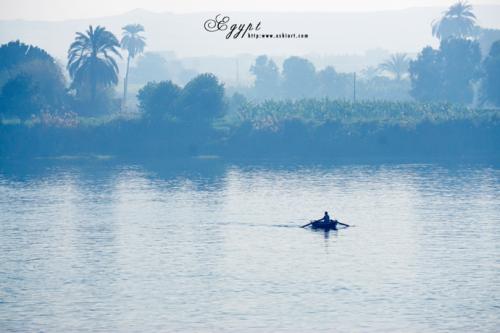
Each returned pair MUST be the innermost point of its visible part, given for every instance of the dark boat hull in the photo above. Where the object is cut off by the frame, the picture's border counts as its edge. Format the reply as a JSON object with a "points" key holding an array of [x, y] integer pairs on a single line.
{"points": [[324, 226]]}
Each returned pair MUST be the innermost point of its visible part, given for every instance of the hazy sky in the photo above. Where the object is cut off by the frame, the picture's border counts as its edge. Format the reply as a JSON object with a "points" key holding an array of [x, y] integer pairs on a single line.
{"points": [[69, 9]]}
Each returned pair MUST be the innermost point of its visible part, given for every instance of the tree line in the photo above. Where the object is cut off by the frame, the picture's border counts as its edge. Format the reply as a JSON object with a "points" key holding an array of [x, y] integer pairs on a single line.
{"points": [[33, 83], [456, 72]]}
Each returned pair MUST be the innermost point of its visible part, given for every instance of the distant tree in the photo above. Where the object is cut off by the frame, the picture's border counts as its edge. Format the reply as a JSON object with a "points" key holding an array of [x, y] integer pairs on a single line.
{"points": [[327, 78], [491, 68], [460, 59], [457, 22], [425, 75], [383, 88], [299, 77], [446, 74], [150, 66], [158, 100], [30, 81], [202, 99], [134, 43], [370, 72], [267, 77], [237, 101], [333, 84], [182, 75], [396, 65], [91, 62], [486, 37]]}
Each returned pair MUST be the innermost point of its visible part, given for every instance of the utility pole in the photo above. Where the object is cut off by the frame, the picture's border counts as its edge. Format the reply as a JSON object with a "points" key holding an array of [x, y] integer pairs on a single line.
{"points": [[354, 90]]}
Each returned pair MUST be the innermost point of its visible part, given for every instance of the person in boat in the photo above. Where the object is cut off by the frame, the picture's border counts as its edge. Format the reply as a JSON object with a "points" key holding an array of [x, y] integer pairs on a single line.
{"points": [[326, 223], [326, 220]]}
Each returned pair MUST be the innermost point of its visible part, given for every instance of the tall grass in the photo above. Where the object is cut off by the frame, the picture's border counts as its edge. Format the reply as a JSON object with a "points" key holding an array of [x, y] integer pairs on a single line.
{"points": [[315, 112]]}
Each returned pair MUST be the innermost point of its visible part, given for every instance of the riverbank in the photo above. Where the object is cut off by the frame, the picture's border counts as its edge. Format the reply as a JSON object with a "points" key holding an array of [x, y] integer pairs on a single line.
{"points": [[303, 129]]}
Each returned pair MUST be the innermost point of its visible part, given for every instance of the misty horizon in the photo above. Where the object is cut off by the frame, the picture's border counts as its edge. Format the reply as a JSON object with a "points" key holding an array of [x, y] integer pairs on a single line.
{"points": [[331, 33], [57, 11]]}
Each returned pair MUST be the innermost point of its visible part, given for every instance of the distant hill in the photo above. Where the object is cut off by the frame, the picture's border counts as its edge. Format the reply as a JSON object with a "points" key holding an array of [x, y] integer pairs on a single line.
{"points": [[349, 41], [330, 33]]}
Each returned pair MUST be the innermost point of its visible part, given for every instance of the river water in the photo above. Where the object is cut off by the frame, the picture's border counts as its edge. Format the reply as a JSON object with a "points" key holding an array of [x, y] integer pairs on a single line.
{"points": [[214, 246]]}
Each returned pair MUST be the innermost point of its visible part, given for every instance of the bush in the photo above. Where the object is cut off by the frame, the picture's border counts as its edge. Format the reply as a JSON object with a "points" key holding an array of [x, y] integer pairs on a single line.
{"points": [[158, 100], [30, 81]]}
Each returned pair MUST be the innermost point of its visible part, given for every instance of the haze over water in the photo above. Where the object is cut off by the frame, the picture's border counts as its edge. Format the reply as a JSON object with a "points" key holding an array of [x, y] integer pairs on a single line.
{"points": [[215, 246]]}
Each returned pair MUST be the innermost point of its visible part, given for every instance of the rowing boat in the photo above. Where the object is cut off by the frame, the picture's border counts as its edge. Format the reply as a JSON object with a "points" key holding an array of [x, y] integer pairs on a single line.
{"points": [[332, 225]]}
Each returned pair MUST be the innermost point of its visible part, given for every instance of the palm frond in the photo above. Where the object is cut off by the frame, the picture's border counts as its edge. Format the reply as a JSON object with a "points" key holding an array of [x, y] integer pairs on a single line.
{"points": [[132, 41], [457, 21]]}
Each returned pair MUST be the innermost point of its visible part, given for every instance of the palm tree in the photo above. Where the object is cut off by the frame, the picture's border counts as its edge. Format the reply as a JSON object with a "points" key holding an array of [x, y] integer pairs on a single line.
{"points": [[458, 21], [397, 65], [90, 59], [134, 44]]}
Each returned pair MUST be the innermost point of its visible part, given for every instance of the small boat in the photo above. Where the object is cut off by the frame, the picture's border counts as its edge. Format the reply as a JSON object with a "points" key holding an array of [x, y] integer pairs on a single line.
{"points": [[332, 225]]}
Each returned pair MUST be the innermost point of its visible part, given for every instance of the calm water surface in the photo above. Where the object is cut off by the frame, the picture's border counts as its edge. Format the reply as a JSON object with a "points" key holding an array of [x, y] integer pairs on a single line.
{"points": [[213, 246]]}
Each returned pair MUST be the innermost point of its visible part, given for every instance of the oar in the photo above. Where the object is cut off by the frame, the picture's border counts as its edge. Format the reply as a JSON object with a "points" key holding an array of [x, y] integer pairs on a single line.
{"points": [[305, 225]]}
